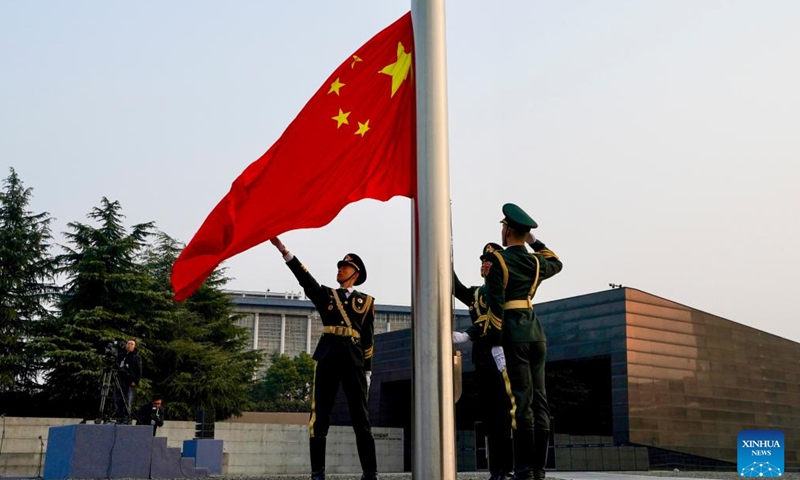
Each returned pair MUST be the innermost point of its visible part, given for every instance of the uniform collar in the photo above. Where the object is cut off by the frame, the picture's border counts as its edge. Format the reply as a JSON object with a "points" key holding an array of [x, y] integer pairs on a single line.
{"points": [[347, 291]]}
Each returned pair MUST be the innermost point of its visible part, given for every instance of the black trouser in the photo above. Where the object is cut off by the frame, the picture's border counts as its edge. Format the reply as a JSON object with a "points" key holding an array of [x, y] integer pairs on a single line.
{"points": [[494, 409], [531, 418], [525, 366], [327, 377], [123, 401]]}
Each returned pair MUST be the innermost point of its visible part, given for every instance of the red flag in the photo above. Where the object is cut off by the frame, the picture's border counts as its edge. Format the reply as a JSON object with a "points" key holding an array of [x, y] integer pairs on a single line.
{"points": [[355, 139]]}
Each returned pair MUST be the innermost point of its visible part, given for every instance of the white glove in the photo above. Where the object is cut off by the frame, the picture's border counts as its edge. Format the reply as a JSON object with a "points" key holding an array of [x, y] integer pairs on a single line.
{"points": [[287, 255], [529, 238], [278, 244], [460, 337], [499, 358], [369, 378]]}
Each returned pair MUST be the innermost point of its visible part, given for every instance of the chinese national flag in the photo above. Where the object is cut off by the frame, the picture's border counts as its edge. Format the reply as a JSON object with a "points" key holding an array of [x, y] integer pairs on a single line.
{"points": [[355, 139]]}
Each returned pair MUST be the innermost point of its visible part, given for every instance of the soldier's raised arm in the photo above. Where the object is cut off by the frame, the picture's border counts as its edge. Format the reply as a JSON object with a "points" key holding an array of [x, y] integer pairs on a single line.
{"points": [[549, 262], [313, 290]]}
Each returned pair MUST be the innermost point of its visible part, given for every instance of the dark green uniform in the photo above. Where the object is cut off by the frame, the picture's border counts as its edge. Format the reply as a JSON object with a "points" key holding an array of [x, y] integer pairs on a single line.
{"points": [[511, 283], [492, 398], [343, 355]]}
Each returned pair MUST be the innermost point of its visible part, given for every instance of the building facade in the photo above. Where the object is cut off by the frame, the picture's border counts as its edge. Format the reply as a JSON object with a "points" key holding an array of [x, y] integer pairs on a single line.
{"points": [[289, 324], [629, 374]]}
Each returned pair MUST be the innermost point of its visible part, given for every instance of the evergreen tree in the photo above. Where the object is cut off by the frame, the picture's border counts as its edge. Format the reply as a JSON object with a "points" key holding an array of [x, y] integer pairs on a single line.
{"points": [[286, 387], [304, 363], [107, 298], [118, 288], [200, 357], [27, 287]]}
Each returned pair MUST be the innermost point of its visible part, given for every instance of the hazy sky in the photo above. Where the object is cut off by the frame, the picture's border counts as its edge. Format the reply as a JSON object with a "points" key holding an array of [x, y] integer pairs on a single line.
{"points": [[657, 143]]}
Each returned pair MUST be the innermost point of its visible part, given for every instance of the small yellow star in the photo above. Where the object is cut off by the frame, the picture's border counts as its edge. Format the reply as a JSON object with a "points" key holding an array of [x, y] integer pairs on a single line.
{"points": [[341, 118], [356, 58], [399, 69], [335, 86], [362, 128]]}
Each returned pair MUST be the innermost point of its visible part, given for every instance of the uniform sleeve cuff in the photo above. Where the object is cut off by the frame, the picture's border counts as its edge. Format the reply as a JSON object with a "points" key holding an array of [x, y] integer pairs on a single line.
{"points": [[538, 245]]}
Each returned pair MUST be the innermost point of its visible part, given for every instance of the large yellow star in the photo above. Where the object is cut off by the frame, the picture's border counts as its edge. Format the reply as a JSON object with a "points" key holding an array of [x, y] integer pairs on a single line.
{"points": [[399, 69], [362, 128], [341, 118], [335, 86]]}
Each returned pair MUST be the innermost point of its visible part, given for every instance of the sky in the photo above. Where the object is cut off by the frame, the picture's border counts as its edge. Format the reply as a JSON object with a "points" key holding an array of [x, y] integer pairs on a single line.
{"points": [[656, 143]]}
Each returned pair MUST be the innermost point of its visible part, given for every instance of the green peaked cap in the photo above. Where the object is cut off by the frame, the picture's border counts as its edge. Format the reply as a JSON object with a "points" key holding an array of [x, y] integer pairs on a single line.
{"points": [[517, 219]]}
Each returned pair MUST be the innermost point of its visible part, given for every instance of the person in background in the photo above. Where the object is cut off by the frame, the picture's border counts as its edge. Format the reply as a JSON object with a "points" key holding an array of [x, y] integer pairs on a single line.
{"points": [[129, 373], [151, 413]]}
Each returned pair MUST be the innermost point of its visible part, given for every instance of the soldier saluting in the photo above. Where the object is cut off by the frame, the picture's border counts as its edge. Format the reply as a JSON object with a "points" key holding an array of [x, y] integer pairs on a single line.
{"points": [[517, 336], [343, 355]]}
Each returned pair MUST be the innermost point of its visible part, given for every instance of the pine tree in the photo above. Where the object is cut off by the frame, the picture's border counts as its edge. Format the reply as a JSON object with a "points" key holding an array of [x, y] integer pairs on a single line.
{"points": [[118, 288], [107, 298], [200, 358], [27, 287]]}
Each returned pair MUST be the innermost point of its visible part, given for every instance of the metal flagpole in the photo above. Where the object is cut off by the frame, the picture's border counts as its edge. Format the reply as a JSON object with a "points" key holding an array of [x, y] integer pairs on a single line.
{"points": [[433, 428]]}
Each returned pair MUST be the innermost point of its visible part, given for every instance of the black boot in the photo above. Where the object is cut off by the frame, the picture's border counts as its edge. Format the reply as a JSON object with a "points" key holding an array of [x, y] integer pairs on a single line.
{"points": [[317, 449], [541, 443], [366, 454], [501, 461], [523, 454]]}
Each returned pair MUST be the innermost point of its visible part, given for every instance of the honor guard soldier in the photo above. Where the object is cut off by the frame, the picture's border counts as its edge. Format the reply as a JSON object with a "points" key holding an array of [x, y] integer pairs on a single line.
{"points": [[493, 400], [343, 355], [517, 338]]}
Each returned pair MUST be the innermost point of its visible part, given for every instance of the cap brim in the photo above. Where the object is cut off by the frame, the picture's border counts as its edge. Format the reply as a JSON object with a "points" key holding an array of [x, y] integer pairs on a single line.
{"points": [[342, 263], [518, 226]]}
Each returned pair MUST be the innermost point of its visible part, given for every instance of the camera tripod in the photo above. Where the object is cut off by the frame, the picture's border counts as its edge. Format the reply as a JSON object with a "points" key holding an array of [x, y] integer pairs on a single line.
{"points": [[110, 378]]}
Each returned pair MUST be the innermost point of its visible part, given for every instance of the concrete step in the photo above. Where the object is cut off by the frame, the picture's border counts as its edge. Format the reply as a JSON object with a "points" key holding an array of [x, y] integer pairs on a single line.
{"points": [[187, 466], [200, 472], [165, 461]]}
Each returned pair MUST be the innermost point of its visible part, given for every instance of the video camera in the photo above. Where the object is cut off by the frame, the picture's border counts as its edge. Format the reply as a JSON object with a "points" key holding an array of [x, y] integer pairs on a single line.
{"points": [[156, 417], [112, 351]]}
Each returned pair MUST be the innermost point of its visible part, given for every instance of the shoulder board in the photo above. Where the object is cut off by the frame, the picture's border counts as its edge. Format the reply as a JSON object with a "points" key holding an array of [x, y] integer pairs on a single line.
{"points": [[361, 302]]}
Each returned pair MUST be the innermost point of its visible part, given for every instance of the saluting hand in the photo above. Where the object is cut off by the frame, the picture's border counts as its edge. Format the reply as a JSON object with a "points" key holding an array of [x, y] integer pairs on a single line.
{"points": [[529, 238]]}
